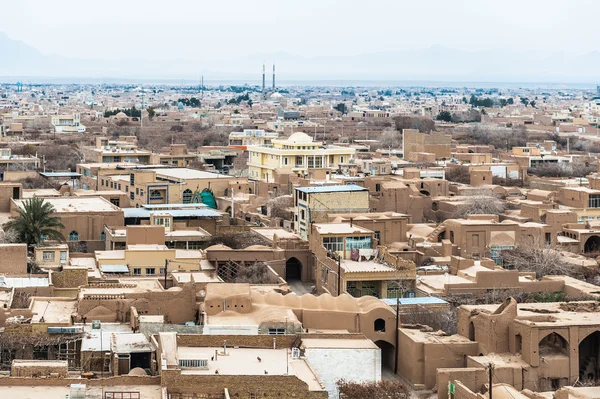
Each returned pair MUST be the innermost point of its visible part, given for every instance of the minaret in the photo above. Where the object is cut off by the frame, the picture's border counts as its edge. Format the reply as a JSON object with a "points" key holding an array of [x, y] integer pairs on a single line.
{"points": [[264, 87], [273, 77]]}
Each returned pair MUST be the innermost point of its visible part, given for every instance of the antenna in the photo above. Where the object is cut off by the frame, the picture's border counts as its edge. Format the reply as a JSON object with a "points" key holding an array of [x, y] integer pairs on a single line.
{"points": [[263, 87]]}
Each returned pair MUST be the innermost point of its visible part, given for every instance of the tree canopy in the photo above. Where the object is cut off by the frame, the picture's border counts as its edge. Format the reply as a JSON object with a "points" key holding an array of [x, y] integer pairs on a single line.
{"points": [[35, 222]]}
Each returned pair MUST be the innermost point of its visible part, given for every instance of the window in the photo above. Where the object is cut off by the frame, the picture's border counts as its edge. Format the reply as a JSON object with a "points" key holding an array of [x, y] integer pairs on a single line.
{"points": [[352, 289], [302, 214], [102, 236], [594, 201], [126, 189], [150, 271], [285, 161], [63, 256], [131, 195], [358, 242], [48, 256], [298, 161], [369, 288], [334, 244], [73, 236], [276, 331], [162, 271], [132, 179], [137, 271], [137, 191], [379, 325], [141, 193], [187, 196]]}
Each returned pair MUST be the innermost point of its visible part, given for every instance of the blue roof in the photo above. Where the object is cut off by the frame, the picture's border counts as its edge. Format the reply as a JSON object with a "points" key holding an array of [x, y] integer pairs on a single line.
{"points": [[331, 189], [190, 205], [424, 300], [176, 213]]}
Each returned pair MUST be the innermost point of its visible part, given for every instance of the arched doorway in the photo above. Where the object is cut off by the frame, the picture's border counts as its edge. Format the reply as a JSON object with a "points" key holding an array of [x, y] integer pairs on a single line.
{"points": [[293, 269], [387, 355], [589, 361], [592, 244], [471, 331], [553, 344]]}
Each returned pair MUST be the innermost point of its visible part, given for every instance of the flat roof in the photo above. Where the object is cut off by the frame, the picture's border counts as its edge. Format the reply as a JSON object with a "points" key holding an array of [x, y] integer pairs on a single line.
{"points": [[239, 361], [340, 228], [145, 213], [20, 282], [52, 311], [331, 189], [328, 343], [77, 204], [186, 173], [60, 174], [131, 343]]}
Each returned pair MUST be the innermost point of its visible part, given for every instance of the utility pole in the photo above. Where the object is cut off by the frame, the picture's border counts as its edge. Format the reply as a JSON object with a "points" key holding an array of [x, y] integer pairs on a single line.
{"points": [[166, 268], [232, 205], [397, 326], [339, 274], [490, 375]]}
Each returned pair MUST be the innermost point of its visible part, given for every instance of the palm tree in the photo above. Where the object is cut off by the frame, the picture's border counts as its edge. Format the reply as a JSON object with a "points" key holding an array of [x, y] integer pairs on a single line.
{"points": [[34, 222]]}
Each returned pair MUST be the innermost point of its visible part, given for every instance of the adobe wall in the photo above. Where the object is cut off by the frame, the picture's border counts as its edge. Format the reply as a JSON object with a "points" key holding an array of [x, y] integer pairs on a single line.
{"points": [[52, 369], [262, 386], [474, 378], [244, 341], [177, 306], [145, 235], [14, 259], [70, 278], [418, 361], [123, 380]]}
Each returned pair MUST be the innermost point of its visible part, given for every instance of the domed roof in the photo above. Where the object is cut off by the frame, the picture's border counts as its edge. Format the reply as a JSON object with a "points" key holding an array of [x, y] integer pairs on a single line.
{"points": [[300, 137], [276, 95], [121, 115]]}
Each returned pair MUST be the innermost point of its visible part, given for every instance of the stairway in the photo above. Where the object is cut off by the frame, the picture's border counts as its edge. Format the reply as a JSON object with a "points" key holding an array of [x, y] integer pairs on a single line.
{"points": [[433, 236]]}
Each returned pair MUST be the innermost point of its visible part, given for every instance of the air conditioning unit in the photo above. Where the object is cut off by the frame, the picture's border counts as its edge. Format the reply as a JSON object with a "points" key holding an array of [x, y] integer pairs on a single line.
{"points": [[295, 353], [96, 325]]}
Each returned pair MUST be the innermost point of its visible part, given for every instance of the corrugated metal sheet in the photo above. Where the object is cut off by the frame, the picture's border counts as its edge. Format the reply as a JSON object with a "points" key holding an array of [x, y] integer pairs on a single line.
{"points": [[114, 269]]}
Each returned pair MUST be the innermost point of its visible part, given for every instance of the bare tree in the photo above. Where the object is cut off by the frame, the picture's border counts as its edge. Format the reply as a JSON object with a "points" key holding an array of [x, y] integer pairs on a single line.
{"points": [[256, 273], [480, 203], [533, 254], [389, 139], [282, 207]]}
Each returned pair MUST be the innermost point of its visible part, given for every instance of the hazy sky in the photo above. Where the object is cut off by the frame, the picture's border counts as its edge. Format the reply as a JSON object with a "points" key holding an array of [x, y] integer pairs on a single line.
{"points": [[195, 29]]}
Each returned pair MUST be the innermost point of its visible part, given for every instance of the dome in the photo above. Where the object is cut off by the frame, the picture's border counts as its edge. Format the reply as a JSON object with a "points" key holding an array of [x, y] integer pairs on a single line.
{"points": [[300, 137], [276, 95], [121, 115]]}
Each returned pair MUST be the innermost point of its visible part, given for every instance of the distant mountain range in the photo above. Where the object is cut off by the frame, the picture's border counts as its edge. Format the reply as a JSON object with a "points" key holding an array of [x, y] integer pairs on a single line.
{"points": [[436, 63]]}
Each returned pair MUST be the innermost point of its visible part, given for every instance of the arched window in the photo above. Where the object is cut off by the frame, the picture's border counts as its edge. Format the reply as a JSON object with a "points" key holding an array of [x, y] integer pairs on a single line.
{"points": [[73, 236], [187, 196], [102, 236], [226, 192], [379, 325]]}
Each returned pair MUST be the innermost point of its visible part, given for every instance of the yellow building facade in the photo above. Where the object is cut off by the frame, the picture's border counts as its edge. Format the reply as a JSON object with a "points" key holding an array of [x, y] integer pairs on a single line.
{"points": [[299, 153]]}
